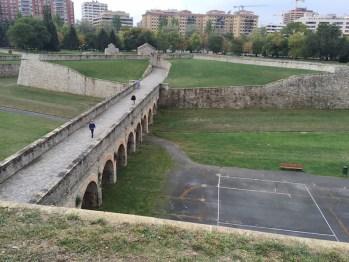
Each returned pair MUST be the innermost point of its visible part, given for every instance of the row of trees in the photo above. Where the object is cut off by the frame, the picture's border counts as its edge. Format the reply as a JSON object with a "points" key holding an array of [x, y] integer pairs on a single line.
{"points": [[294, 41]]}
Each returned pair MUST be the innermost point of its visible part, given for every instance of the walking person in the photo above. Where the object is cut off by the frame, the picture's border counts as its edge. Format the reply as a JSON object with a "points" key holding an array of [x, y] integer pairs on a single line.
{"points": [[138, 84], [92, 127], [133, 98]]}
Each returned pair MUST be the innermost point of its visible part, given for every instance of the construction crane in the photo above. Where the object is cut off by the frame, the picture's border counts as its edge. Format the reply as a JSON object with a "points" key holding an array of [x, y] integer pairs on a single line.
{"points": [[242, 7]]}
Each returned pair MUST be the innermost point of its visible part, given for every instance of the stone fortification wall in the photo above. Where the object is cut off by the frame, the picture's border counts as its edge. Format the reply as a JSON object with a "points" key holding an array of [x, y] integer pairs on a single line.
{"points": [[271, 62], [60, 57], [322, 91], [35, 73], [9, 70], [14, 163]]}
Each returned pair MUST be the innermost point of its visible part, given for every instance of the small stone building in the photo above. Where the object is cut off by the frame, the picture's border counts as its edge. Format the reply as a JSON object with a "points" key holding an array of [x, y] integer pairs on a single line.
{"points": [[111, 50], [146, 49]]}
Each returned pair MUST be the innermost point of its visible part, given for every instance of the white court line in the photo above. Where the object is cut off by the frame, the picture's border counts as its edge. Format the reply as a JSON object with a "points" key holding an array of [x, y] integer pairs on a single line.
{"points": [[262, 180], [322, 214], [257, 191], [219, 183], [278, 229]]}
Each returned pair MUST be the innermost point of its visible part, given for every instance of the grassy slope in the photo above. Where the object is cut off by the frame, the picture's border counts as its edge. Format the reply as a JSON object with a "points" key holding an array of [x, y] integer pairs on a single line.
{"points": [[140, 186], [113, 70], [27, 235], [18, 131], [198, 73], [40, 100], [260, 139]]}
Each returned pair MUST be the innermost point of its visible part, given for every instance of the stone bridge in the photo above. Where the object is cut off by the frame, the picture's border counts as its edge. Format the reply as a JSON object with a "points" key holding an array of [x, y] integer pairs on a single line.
{"points": [[67, 167]]}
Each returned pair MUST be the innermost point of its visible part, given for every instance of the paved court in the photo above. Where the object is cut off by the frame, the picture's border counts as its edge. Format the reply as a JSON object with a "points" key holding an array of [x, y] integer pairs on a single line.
{"points": [[288, 203]]}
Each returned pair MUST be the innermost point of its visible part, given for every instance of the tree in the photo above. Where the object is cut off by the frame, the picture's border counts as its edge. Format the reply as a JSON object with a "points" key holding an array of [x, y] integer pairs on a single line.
{"points": [[329, 40], [295, 27], [344, 50], [258, 39], [53, 43], [58, 21], [209, 27], [195, 42], [276, 45], [71, 40], [215, 43], [28, 32], [237, 45], [296, 44], [102, 40], [116, 23], [311, 46], [4, 26]]}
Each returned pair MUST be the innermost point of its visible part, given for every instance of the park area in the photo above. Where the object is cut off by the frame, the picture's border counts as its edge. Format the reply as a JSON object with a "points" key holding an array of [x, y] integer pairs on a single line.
{"points": [[112, 70], [27, 114], [191, 73], [260, 139]]}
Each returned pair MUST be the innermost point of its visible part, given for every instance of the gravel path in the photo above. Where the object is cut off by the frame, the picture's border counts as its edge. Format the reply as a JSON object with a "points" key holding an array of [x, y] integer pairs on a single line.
{"points": [[29, 182]]}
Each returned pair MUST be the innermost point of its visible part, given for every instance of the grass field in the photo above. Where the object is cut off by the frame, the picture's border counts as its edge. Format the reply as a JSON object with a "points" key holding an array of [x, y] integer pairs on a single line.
{"points": [[18, 131], [28, 235], [141, 185], [198, 73], [113, 70], [10, 62], [260, 139], [43, 101]]}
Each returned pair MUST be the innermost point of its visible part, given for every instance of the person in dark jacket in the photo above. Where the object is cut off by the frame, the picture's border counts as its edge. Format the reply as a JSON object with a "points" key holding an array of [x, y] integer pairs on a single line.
{"points": [[133, 98], [92, 127]]}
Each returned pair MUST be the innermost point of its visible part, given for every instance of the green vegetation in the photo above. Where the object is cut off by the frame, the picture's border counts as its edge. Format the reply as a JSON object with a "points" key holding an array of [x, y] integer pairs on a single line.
{"points": [[10, 62], [113, 70], [199, 73], [18, 131], [30, 235], [43, 101], [260, 139], [140, 187]]}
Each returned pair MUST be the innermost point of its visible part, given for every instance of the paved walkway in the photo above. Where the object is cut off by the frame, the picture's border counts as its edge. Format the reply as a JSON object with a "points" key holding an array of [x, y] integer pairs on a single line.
{"points": [[27, 184], [291, 203]]}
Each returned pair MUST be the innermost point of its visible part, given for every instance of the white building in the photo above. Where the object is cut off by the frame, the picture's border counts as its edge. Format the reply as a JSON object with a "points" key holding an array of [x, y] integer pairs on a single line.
{"points": [[273, 28], [106, 18], [91, 10], [313, 21]]}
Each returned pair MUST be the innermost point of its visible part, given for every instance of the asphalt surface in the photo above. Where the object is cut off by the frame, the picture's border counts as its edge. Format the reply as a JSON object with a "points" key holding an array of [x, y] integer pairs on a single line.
{"points": [[289, 203]]}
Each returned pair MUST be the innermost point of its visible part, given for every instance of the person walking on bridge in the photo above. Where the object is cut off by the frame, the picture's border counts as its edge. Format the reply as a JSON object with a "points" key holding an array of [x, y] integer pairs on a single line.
{"points": [[92, 127], [133, 98]]}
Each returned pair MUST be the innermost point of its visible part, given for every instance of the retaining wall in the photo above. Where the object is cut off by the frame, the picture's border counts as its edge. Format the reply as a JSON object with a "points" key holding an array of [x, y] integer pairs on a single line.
{"points": [[35, 73], [9, 70], [321, 91], [14, 163], [60, 57], [271, 62]]}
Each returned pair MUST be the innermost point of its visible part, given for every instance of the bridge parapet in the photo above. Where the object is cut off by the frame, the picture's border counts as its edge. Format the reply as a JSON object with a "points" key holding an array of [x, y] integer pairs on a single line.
{"points": [[27, 155]]}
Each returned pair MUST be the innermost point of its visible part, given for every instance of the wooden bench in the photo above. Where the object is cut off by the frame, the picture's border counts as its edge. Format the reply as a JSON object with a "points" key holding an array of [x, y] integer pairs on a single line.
{"points": [[292, 167]]}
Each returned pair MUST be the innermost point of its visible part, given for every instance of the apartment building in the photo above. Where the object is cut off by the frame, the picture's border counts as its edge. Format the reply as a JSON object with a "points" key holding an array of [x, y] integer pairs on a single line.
{"points": [[10, 8], [242, 22], [295, 14], [313, 21], [106, 18], [274, 28], [93, 9]]}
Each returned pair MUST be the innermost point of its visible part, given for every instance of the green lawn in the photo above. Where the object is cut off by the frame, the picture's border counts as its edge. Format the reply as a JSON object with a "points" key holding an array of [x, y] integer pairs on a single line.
{"points": [[10, 62], [43, 101], [260, 139], [140, 187], [28, 235], [113, 70], [18, 130], [188, 73]]}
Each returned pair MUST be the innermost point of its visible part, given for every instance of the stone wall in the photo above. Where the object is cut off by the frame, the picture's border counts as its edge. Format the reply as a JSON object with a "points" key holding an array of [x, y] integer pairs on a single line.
{"points": [[35, 73], [322, 91], [9, 70], [60, 57], [283, 63], [11, 165]]}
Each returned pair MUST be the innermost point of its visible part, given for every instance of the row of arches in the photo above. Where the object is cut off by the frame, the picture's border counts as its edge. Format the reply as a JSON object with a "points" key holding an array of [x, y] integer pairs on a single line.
{"points": [[92, 197]]}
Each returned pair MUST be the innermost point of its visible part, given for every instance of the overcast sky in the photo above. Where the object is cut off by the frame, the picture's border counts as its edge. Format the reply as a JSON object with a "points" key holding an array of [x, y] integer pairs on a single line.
{"points": [[269, 12]]}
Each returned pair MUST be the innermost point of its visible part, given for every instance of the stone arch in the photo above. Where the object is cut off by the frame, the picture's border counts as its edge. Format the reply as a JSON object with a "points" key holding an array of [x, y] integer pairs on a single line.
{"points": [[131, 143], [90, 199], [139, 134], [120, 156], [109, 174], [150, 117], [145, 125]]}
